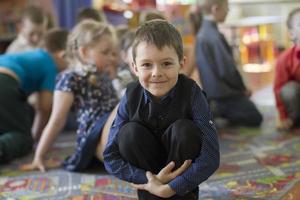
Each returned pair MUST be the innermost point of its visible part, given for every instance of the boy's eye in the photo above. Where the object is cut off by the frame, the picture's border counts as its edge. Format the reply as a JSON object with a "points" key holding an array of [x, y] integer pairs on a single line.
{"points": [[146, 65], [167, 64]]}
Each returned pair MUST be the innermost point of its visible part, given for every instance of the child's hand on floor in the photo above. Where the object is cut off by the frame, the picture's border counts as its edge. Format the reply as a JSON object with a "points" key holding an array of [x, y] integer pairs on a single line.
{"points": [[285, 125], [36, 164]]}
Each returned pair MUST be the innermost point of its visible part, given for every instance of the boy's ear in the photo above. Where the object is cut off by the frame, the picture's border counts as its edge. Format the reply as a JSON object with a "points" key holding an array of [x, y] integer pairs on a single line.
{"points": [[134, 68], [292, 35], [61, 53], [214, 8], [182, 62]]}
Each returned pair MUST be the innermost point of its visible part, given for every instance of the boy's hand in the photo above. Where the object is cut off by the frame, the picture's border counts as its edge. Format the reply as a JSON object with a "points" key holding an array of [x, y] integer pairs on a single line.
{"points": [[155, 186], [248, 93], [36, 164], [286, 125], [166, 174]]}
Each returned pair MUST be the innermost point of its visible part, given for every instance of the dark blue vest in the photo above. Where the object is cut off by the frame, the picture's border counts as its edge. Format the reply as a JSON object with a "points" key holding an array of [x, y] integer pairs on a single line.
{"points": [[157, 117]]}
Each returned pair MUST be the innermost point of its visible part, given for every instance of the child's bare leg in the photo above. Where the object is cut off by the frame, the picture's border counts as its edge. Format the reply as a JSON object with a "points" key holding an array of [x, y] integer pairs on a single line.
{"points": [[104, 135]]}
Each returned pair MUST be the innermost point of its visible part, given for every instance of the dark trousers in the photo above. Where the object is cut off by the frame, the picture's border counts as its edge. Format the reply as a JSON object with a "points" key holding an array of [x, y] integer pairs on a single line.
{"points": [[149, 151], [290, 96], [238, 111], [16, 118]]}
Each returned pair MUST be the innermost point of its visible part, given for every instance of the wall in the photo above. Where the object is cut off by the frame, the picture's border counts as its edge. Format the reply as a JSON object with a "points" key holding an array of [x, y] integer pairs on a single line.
{"points": [[265, 8]]}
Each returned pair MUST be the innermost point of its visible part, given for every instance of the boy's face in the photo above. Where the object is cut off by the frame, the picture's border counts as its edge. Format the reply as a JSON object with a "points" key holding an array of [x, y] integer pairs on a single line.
{"points": [[220, 11], [157, 69], [295, 30], [33, 33]]}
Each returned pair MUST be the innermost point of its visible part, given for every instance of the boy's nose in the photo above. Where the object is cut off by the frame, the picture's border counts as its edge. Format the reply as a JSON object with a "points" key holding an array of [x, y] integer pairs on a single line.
{"points": [[156, 71]]}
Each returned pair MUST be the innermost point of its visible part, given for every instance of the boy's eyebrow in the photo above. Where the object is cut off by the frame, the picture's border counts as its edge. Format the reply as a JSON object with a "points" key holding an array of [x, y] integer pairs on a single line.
{"points": [[163, 59]]}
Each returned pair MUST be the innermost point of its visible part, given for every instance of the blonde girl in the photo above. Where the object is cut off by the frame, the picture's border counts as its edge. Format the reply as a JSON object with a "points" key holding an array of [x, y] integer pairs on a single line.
{"points": [[85, 87]]}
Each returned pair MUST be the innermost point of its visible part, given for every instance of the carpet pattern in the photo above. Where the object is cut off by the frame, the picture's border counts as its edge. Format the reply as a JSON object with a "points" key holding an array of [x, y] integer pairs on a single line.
{"points": [[255, 164]]}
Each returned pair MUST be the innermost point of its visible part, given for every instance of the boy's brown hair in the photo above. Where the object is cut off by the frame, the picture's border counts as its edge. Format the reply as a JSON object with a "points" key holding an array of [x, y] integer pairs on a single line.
{"points": [[206, 5], [126, 40], [160, 33], [195, 19], [291, 15], [150, 15], [34, 14], [55, 40], [90, 13]]}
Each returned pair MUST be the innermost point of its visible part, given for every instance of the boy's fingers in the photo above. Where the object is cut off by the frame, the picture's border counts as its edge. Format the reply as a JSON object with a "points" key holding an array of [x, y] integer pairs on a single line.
{"points": [[138, 186], [168, 168], [149, 176], [27, 167], [182, 168], [41, 168]]}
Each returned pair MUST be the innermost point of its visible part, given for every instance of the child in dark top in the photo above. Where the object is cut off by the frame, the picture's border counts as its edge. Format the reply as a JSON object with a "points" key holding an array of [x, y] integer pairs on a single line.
{"points": [[219, 75], [287, 77], [85, 87], [163, 139], [22, 74]]}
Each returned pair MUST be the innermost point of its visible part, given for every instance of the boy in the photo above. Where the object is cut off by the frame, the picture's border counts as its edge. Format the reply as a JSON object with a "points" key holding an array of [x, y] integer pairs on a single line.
{"points": [[124, 73], [90, 13], [33, 25], [22, 74], [163, 139], [287, 77], [226, 91]]}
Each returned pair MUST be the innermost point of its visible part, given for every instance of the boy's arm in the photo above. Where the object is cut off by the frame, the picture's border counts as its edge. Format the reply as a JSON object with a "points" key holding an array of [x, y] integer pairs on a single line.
{"points": [[215, 56], [42, 112], [227, 66], [209, 158], [281, 78], [113, 161]]}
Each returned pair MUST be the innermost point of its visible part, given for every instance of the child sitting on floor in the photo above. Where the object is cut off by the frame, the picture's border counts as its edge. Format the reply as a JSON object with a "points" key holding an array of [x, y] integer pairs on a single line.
{"points": [[22, 74], [88, 89], [287, 77], [163, 122]]}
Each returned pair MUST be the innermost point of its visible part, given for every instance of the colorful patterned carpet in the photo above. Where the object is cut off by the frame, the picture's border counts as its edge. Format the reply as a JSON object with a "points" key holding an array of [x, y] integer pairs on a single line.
{"points": [[255, 164]]}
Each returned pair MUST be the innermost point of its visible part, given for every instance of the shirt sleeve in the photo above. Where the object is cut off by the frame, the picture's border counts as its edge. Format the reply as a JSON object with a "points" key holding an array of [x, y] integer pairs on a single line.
{"points": [[226, 66], [209, 158], [49, 80], [66, 82], [113, 161], [281, 78]]}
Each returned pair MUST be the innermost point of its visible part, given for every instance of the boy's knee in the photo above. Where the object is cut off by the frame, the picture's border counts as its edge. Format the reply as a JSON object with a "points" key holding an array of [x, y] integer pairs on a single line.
{"points": [[186, 131], [290, 91], [257, 119], [132, 133]]}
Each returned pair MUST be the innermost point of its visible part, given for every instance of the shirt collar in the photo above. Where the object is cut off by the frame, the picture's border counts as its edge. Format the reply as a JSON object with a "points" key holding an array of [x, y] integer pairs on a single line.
{"points": [[149, 97], [209, 23]]}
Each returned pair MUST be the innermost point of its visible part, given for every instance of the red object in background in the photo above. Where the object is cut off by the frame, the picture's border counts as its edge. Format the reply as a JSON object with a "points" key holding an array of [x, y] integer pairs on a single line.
{"points": [[142, 4], [147, 3]]}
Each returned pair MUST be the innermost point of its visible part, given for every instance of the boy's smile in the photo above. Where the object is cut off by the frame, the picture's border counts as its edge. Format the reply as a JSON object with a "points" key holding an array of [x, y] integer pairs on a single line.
{"points": [[157, 69]]}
